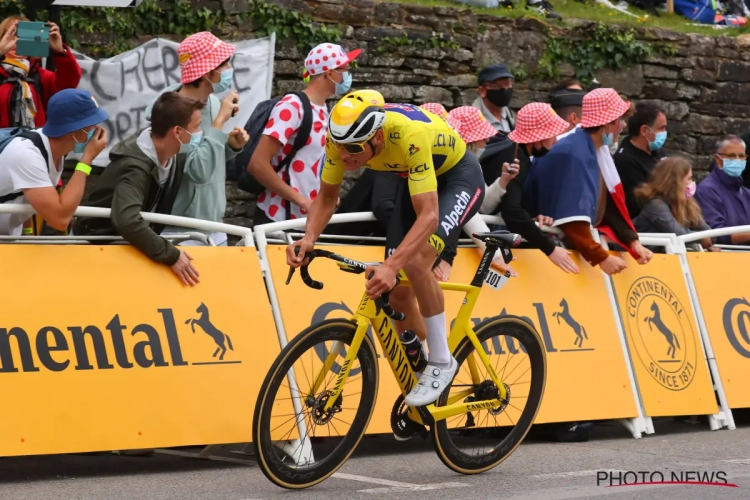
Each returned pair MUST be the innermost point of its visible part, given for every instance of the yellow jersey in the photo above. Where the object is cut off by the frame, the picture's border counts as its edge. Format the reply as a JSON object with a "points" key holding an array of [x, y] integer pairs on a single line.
{"points": [[416, 141]]}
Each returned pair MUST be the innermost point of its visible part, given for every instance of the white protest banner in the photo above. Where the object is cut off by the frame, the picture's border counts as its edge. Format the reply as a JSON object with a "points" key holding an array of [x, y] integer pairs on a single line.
{"points": [[126, 84]]}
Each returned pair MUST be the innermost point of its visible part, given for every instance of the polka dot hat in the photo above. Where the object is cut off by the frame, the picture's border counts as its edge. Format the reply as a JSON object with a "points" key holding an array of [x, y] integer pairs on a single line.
{"points": [[327, 56]]}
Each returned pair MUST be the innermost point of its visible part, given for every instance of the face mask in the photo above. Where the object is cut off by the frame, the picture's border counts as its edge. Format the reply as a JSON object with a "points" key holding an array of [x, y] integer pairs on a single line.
{"points": [[479, 152], [613, 148], [346, 84], [500, 97], [734, 168], [538, 153], [658, 142], [690, 190], [607, 138], [225, 83], [195, 140], [80, 146]]}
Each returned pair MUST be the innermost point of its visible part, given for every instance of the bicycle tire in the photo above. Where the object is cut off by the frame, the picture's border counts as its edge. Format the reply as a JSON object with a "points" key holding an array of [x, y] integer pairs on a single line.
{"points": [[272, 467], [522, 331]]}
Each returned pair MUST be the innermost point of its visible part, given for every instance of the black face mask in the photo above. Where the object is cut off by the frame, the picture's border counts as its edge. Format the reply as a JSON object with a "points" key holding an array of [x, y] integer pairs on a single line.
{"points": [[500, 97], [538, 153]]}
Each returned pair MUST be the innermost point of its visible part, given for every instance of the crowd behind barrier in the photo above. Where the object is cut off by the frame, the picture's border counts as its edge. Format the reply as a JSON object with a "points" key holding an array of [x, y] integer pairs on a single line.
{"points": [[665, 340]]}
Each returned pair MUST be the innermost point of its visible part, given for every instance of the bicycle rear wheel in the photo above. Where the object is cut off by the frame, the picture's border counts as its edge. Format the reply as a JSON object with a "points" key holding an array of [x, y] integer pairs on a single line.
{"points": [[495, 431], [284, 450]]}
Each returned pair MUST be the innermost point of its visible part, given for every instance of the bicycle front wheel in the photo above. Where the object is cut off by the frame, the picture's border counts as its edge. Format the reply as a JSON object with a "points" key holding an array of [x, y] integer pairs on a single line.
{"points": [[475, 442], [297, 442]]}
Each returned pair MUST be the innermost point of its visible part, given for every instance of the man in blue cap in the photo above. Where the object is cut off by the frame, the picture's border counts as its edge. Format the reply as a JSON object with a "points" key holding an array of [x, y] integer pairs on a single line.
{"points": [[495, 92], [31, 164]]}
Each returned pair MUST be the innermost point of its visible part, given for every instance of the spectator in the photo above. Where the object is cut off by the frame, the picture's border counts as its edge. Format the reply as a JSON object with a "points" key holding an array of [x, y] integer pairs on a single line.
{"points": [[638, 154], [569, 84], [26, 87], [145, 175], [495, 93], [538, 127], [668, 204], [475, 131], [722, 197], [569, 185], [205, 71], [32, 163], [289, 195], [568, 102], [542, 7]]}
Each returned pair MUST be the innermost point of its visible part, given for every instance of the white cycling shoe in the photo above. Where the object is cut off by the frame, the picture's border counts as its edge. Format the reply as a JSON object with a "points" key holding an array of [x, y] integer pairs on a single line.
{"points": [[432, 383]]}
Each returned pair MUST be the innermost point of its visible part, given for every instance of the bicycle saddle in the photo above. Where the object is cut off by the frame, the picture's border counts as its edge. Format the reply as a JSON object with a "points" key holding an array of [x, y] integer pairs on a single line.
{"points": [[500, 238]]}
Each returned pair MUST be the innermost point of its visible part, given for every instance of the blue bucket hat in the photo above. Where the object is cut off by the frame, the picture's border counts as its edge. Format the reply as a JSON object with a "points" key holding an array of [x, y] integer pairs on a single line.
{"points": [[70, 110]]}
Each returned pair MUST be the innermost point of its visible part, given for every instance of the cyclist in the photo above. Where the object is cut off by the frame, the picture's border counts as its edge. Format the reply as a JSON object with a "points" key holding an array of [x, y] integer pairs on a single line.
{"points": [[445, 188]]}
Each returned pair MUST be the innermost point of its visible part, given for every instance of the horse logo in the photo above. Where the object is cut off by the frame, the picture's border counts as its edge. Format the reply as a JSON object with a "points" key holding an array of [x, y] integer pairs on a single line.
{"points": [[578, 329], [674, 344], [205, 323], [657, 323]]}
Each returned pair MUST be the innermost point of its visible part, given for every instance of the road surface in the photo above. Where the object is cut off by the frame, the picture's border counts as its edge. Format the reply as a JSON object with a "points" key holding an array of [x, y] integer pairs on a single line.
{"points": [[383, 467]]}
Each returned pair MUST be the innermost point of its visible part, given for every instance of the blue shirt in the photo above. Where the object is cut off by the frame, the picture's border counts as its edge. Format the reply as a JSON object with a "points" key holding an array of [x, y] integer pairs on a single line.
{"points": [[725, 202]]}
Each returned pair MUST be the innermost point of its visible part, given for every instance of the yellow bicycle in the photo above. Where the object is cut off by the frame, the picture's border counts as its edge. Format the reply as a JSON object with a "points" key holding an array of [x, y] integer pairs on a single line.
{"points": [[336, 355]]}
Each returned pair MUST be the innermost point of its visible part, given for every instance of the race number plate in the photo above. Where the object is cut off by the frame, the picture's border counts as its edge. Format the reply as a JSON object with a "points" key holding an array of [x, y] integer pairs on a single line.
{"points": [[496, 278]]}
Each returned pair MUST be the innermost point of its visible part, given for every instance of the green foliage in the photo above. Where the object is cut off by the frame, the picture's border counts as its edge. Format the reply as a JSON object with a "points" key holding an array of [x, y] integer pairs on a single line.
{"points": [[601, 46], [118, 29]]}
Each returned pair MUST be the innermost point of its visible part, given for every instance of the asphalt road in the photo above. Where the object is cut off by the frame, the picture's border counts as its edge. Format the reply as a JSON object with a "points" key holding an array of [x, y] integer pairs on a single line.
{"points": [[383, 467]]}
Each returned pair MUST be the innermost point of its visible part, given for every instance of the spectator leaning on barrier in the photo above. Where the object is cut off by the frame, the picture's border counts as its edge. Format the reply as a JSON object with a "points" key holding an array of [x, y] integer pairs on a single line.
{"points": [[31, 165], [569, 185], [205, 71], [638, 154], [328, 72], [145, 175], [722, 197], [495, 93], [668, 204]]}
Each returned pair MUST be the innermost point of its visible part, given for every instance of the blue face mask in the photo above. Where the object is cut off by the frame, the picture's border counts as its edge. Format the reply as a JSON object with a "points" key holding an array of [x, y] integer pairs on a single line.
{"points": [[658, 142], [345, 85], [80, 146], [607, 138], [734, 168], [225, 83], [195, 140]]}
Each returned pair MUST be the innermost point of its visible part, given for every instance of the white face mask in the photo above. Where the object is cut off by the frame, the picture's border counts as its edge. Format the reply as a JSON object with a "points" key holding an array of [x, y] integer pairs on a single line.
{"points": [[613, 148]]}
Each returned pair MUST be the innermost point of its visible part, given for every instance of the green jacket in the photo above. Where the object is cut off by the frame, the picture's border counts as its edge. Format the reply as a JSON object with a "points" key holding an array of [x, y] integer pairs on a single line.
{"points": [[130, 185], [202, 193]]}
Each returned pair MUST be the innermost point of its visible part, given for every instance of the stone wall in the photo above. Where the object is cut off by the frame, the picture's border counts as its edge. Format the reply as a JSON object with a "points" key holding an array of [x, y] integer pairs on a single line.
{"points": [[704, 86]]}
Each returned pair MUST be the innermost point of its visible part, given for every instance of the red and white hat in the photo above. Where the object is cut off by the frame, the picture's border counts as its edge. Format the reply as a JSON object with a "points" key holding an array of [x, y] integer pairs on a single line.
{"points": [[201, 53], [327, 56], [537, 121], [471, 124], [602, 106], [435, 108]]}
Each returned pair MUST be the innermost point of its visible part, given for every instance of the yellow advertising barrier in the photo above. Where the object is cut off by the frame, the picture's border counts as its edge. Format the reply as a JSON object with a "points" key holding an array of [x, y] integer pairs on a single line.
{"points": [[122, 355], [722, 280], [663, 339], [587, 375]]}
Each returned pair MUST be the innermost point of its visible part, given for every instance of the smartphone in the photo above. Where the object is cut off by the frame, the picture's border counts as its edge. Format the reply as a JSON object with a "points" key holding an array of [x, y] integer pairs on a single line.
{"points": [[33, 39]]}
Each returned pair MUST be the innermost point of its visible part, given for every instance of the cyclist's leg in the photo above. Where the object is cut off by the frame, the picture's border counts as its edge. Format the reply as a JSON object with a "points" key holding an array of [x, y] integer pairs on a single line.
{"points": [[459, 197], [403, 298]]}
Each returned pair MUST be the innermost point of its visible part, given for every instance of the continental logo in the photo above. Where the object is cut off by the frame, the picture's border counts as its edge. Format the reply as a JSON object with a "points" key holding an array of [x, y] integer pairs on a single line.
{"points": [[93, 347], [419, 173], [578, 329], [661, 333], [736, 319]]}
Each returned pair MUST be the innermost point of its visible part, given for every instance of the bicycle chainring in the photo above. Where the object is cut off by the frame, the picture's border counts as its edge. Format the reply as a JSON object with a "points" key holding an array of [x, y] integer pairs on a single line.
{"points": [[403, 427]]}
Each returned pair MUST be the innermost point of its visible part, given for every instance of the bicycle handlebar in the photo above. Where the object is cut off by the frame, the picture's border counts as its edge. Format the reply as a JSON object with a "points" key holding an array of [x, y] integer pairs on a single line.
{"points": [[355, 267]]}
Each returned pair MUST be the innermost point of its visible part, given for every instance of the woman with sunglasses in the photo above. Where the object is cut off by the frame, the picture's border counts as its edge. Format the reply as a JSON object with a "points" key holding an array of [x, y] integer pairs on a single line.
{"points": [[445, 188]]}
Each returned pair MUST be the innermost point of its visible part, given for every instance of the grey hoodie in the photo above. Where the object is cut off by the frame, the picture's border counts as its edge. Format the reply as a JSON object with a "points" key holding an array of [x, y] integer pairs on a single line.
{"points": [[202, 192]]}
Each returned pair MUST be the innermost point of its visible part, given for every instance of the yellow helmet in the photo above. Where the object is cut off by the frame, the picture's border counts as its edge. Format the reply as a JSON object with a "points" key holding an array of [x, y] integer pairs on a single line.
{"points": [[357, 116]]}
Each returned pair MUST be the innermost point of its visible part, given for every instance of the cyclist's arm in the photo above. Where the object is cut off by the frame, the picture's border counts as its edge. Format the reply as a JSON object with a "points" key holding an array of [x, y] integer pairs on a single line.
{"points": [[321, 210], [324, 205]]}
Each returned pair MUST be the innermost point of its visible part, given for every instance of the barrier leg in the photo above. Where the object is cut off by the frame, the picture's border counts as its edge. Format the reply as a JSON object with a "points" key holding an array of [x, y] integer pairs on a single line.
{"points": [[724, 418], [642, 423], [306, 447]]}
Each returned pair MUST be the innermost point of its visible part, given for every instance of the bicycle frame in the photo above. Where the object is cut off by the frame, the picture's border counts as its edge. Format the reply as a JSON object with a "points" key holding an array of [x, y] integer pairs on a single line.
{"points": [[370, 313]]}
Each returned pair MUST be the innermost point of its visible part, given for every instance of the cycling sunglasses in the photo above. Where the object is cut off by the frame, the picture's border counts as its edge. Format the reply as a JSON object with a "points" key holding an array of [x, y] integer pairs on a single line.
{"points": [[353, 148]]}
